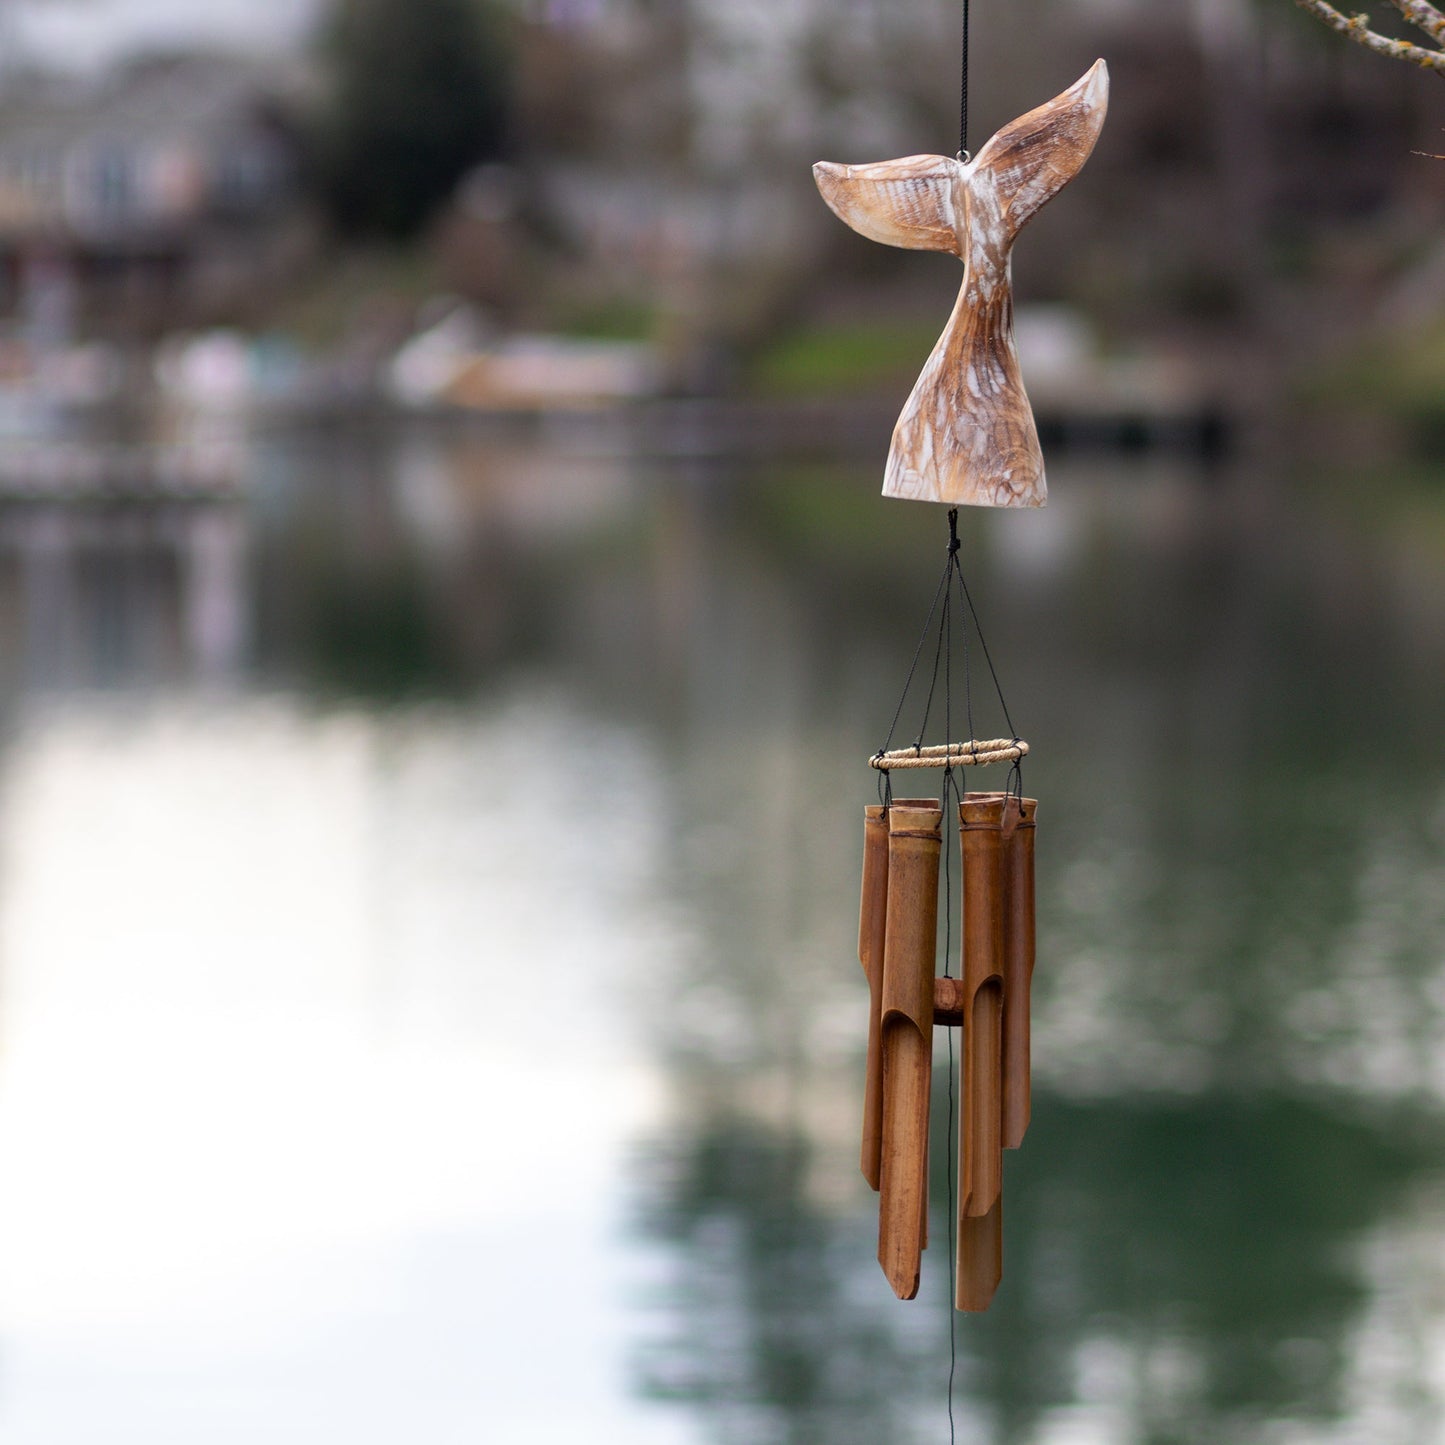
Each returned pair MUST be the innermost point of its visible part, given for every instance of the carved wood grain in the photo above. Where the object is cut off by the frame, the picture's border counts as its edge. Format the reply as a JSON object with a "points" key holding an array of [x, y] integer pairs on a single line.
{"points": [[966, 434]]}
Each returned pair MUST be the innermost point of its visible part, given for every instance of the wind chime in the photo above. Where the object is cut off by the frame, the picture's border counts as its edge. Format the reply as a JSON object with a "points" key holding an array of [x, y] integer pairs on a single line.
{"points": [[966, 436]]}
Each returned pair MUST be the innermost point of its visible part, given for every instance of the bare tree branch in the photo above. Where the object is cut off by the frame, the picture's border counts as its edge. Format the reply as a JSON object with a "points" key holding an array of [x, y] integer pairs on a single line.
{"points": [[1418, 12], [1424, 16]]}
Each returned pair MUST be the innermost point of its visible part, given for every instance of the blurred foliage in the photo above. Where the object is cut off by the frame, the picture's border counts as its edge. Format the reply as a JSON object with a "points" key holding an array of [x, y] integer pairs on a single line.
{"points": [[1397, 376], [613, 319], [418, 94], [360, 287], [854, 358], [827, 513]]}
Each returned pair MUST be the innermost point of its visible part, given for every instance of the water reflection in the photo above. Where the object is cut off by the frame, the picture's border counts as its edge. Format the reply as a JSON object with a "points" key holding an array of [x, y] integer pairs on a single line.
{"points": [[1179, 1270], [415, 706]]}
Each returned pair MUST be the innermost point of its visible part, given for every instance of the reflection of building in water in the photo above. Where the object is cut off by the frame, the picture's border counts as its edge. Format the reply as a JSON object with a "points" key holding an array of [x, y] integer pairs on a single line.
{"points": [[120, 594]]}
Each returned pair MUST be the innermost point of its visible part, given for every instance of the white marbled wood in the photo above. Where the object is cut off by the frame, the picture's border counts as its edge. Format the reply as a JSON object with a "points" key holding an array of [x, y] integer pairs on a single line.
{"points": [[966, 433]]}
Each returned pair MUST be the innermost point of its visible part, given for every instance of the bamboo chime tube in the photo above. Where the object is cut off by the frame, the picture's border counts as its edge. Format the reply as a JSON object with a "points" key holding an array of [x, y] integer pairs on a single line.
{"points": [[981, 837], [981, 1118], [980, 1258], [872, 933], [915, 835], [1019, 823]]}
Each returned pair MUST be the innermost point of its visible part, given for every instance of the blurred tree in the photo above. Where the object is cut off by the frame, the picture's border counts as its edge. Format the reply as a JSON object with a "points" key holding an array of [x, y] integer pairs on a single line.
{"points": [[1420, 13], [418, 94]]}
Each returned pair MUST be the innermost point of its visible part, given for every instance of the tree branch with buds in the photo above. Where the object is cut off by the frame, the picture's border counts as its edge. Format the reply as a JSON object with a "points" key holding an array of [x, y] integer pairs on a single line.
{"points": [[1420, 13]]}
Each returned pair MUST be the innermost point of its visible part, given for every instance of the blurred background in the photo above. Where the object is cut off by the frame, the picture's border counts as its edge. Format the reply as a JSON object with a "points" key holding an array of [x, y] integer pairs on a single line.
{"points": [[445, 610]]}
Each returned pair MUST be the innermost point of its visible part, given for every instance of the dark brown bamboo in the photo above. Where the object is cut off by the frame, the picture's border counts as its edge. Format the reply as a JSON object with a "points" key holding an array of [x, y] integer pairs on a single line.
{"points": [[872, 935], [1019, 824], [914, 838]]}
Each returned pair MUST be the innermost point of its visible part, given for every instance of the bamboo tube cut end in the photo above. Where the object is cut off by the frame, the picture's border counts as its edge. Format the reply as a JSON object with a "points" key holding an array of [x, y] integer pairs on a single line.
{"points": [[903, 1175], [980, 1259], [902, 1276]]}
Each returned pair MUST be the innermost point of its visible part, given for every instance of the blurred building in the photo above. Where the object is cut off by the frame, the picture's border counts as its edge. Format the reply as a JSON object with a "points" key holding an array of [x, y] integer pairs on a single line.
{"points": [[1254, 164], [160, 194]]}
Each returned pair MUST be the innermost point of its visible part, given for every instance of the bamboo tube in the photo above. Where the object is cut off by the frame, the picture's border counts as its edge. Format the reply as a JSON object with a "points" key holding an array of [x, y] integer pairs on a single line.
{"points": [[1019, 822], [914, 838], [872, 933], [980, 1258], [981, 1145]]}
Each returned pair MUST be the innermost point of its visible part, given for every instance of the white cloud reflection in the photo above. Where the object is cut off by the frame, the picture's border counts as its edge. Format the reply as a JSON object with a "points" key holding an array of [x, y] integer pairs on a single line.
{"points": [[285, 1153]]}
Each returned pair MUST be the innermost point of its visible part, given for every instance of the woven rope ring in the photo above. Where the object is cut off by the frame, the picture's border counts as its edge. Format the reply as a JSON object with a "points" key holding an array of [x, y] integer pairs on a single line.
{"points": [[952, 755]]}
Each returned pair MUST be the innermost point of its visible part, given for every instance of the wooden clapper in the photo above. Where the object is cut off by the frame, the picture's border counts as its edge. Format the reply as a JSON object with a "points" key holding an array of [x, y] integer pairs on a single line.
{"points": [[966, 436]]}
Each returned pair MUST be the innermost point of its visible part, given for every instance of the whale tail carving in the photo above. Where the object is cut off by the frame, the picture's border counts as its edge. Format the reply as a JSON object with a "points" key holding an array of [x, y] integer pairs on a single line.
{"points": [[908, 203], [966, 433], [1034, 157]]}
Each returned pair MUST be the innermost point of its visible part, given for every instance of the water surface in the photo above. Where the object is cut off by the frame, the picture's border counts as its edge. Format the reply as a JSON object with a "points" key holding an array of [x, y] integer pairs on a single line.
{"points": [[428, 1006]]}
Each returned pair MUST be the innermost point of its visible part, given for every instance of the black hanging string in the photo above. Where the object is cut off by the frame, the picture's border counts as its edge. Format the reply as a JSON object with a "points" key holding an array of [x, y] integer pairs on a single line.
{"points": [[943, 651], [943, 648], [948, 782], [963, 92], [943, 660]]}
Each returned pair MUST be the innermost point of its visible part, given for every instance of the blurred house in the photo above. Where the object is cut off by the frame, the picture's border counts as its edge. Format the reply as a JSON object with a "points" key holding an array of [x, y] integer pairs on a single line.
{"points": [[163, 194]]}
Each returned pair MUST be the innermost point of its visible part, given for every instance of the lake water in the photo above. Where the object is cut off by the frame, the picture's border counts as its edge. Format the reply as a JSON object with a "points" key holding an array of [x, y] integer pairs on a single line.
{"points": [[428, 997]]}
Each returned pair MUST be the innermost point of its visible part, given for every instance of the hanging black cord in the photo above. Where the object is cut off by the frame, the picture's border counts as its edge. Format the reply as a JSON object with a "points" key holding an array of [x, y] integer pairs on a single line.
{"points": [[943, 649], [983, 643], [950, 783], [945, 631], [917, 652], [963, 92], [965, 610], [943, 653]]}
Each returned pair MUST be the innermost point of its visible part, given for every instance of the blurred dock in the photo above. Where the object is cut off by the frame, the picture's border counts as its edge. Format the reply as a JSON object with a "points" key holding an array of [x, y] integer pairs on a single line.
{"points": [[78, 471]]}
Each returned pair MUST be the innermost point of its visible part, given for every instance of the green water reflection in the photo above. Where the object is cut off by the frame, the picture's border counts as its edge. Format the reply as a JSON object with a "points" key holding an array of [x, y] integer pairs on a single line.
{"points": [[1226, 1222], [1178, 1270]]}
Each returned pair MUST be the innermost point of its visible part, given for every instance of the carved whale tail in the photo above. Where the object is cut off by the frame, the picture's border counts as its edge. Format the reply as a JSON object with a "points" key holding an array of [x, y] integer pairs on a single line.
{"points": [[1034, 157], [917, 202], [966, 433], [908, 202]]}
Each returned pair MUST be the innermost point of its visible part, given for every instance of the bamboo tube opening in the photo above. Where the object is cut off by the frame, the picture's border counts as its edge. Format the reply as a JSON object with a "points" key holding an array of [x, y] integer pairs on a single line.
{"points": [[980, 1259]]}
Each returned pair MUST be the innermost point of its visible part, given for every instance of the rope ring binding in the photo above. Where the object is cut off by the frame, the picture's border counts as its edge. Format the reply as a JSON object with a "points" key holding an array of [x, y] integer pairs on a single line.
{"points": [[948, 755]]}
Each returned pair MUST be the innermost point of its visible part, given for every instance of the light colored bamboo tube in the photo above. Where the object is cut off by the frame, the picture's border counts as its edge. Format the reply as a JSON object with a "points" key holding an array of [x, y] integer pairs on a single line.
{"points": [[1019, 824], [981, 1118], [872, 934], [980, 1258], [915, 833]]}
